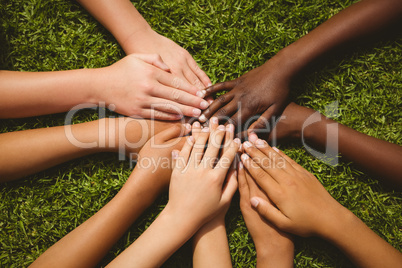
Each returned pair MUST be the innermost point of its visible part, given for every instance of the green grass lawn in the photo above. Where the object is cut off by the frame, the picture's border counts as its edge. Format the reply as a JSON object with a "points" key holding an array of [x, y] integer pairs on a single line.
{"points": [[227, 38]]}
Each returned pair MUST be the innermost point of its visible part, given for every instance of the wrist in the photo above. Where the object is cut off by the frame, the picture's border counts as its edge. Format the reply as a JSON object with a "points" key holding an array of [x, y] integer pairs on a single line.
{"points": [[292, 59], [275, 254], [134, 44], [187, 225]]}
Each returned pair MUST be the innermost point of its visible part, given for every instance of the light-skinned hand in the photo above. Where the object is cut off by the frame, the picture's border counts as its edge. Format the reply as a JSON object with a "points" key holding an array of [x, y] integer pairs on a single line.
{"points": [[140, 85], [197, 189], [301, 205], [274, 247], [181, 63]]}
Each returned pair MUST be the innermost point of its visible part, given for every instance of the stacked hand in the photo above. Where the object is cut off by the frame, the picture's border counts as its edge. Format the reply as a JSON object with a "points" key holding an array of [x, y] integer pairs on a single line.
{"points": [[262, 91], [140, 85]]}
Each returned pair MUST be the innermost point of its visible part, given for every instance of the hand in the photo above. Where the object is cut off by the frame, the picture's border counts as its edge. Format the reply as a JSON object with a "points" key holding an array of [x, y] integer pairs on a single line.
{"points": [[154, 160], [302, 205], [177, 58], [140, 85], [273, 247], [263, 90], [196, 184]]}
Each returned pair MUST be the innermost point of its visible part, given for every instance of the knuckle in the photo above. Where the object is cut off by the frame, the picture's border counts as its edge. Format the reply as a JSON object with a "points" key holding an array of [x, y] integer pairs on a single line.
{"points": [[176, 94]]}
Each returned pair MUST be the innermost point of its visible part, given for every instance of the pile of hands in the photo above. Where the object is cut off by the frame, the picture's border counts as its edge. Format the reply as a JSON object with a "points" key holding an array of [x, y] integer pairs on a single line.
{"points": [[278, 197], [165, 83]]}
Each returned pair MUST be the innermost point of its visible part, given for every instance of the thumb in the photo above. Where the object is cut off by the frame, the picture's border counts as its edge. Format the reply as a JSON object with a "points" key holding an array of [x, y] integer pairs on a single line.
{"points": [[155, 60], [262, 126], [174, 132], [270, 213]]}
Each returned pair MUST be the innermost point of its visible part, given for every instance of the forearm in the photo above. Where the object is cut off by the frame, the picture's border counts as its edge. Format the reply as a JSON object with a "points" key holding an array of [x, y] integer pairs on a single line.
{"points": [[87, 244], [275, 253], [27, 94], [165, 235], [354, 23], [360, 244], [120, 17], [376, 156], [210, 246], [27, 152]]}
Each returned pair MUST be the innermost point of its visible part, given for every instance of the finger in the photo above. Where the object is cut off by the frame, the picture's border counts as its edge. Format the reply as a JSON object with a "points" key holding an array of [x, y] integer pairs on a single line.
{"points": [[243, 184], [229, 136], [262, 126], [213, 123], [158, 115], [227, 158], [290, 160], [173, 132], [267, 158], [181, 160], [154, 59], [192, 78], [239, 118], [206, 82], [172, 107], [214, 145], [223, 108], [230, 187], [253, 187], [196, 129], [199, 147], [263, 179], [228, 85], [270, 213], [180, 96], [175, 81]]}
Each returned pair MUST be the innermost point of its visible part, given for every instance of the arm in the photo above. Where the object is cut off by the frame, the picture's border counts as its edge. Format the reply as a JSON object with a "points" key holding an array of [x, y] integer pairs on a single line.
{"points": [[87, 244], [302, 206], [375, 156], [30, 151], [210, 243], [138, 85], [135, 35], [188, 207], [272, 79]]}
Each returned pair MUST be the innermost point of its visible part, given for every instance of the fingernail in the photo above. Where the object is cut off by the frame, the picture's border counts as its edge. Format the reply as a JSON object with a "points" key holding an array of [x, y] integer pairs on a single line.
{"points": [[188, 126], [205, 129], [200, 94], [175, 154], [210, 101], [260, 142], [221, 127], [252, 137], [230, 127], [241, 165], [196, 124], [276, 149], [190, 139], [204, 104], [214, 120], [196, 112], [237, 140], [204, 92], [244, 157], [209, 84], [247, 144], [254, 202], [202, 118]]}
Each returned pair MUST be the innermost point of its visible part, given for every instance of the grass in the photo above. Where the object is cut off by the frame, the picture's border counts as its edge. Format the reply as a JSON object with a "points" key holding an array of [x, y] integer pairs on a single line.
{"points": [[227, 38]]}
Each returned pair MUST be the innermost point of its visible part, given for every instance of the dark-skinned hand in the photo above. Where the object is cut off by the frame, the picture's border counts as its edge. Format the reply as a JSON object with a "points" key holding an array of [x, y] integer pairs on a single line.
{"points": [[255, 96]]}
